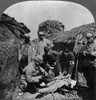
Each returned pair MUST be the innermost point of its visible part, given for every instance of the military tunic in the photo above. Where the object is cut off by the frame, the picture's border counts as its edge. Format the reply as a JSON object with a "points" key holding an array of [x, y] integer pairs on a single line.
{"points": [[65, 62], [52, 58], [88, 65], [31, 77], [38, 48]]}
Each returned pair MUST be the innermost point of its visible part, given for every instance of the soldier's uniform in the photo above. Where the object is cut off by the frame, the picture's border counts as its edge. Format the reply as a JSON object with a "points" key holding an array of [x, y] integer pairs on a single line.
{"points": [[89, 64], [67, 62], [52, 58], [32, 75], [24, 57], [38, 47]]}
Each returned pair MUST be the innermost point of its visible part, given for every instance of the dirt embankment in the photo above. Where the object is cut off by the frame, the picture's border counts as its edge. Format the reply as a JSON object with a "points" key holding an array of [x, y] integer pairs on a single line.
{"points": [[11, 36]]}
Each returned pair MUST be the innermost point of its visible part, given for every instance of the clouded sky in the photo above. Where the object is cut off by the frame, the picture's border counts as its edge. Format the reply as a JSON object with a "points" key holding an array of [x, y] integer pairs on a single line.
{"points": [[32, 13]]}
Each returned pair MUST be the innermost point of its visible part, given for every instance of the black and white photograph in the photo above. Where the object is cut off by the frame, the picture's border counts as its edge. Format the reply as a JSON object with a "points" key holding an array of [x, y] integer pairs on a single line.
{"points": [[48, 51]]}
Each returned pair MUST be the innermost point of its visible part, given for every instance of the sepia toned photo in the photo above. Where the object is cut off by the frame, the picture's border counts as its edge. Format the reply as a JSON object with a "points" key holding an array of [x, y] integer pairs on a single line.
{"points": [[47, 51]]}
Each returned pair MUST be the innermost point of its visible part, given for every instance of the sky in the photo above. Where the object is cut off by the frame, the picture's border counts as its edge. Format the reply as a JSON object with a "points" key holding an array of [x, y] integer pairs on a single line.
{"points": [[32, 13]]}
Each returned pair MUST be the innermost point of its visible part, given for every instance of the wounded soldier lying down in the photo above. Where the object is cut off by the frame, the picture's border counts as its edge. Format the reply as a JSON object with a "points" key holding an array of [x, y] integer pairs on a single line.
{"points": [[33, 75]]}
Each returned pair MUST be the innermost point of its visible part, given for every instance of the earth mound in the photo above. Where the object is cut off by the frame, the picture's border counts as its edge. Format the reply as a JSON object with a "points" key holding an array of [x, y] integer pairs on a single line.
{"points": [[12, 33]]}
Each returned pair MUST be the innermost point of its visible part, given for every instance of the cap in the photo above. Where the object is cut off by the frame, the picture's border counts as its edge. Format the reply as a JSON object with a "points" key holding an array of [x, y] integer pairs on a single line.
{"points": [[88, 35]]}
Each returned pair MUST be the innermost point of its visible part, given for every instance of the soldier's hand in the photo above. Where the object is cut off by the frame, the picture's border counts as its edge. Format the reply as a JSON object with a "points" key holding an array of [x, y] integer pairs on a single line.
{"points": [[60, 74], [40, 77], [51, 67], [68, 76], [85, 52], [93, 53], [45, 73], [42, 84], [36, 79]]}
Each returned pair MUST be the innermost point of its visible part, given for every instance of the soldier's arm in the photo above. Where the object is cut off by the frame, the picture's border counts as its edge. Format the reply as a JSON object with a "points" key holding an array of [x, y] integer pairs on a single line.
{"points": [[29, 54], [24, 70], [71, 66], [29, 75], [58, 65], [49, 43], [58, 62], [32, 79], [43, 71], [94, 51], [55, 53], [72, 57], [45, 60], [71, 63]]}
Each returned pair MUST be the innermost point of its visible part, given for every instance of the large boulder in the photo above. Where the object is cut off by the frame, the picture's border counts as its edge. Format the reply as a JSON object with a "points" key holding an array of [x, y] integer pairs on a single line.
{"points": [[12, 33]]}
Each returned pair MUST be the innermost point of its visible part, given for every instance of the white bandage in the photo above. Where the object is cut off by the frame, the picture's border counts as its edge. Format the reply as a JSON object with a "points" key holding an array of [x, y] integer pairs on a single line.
{"points": [[71, 62]]}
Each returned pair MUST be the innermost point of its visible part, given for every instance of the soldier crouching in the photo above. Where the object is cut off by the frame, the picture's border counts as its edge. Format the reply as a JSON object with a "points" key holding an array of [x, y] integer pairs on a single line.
{"points": [[33, 74]]}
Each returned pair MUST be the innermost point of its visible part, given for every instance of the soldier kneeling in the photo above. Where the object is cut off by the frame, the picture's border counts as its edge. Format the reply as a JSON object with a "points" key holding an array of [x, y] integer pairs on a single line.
{"points": [[33, 74]]}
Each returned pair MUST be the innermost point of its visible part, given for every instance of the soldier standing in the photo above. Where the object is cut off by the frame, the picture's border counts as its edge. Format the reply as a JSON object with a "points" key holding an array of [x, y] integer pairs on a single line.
{"points": [[23, 54], [89, 62], [67, 62], [38, 47]]}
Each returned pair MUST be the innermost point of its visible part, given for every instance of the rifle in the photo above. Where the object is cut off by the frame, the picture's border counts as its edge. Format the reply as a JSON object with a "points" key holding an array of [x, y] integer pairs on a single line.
{"points": [[79, 36], [76, 66]]}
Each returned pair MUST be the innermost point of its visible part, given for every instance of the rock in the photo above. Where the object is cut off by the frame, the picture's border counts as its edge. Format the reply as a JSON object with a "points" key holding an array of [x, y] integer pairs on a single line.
{"points": [[12, 33]]}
